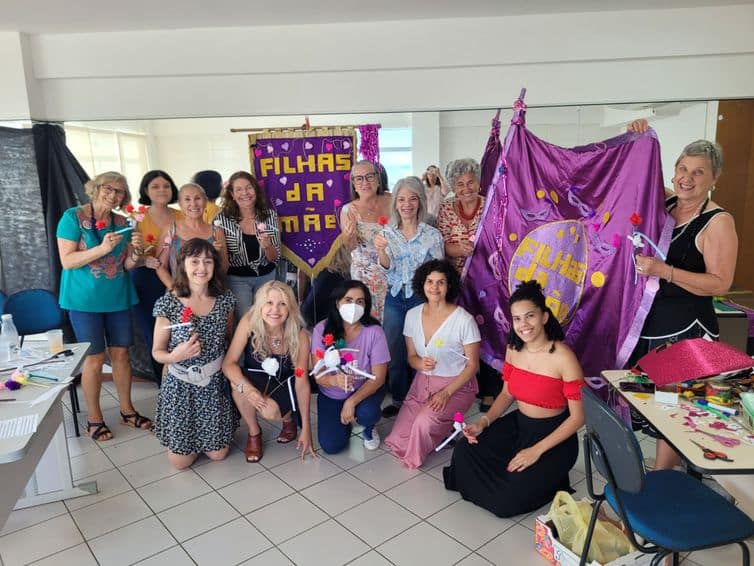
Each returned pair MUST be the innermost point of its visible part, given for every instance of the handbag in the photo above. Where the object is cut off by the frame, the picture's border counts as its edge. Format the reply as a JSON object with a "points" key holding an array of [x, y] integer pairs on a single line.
{"points": [[693, 358]]}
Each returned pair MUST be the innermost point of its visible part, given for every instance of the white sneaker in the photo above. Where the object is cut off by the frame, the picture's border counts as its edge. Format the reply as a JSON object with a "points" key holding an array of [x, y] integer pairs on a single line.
{"points": [[373, 444]]}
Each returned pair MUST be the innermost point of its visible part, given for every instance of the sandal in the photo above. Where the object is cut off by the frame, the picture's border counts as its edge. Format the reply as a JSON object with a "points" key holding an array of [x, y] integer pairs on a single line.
{"points": [[136, 420], [253, 448], [288, 432], [100, 428]]}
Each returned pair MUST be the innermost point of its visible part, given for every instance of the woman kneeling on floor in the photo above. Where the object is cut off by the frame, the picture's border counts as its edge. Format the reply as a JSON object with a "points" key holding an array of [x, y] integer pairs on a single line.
{"points": [[442, 340], [345, 397], [195, 413], [515, 464], [274, 348]]}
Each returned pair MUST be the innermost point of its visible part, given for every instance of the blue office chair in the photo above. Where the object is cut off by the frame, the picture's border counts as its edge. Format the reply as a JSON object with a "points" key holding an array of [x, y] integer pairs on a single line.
{"points": [[35, 311], [670, 510]]}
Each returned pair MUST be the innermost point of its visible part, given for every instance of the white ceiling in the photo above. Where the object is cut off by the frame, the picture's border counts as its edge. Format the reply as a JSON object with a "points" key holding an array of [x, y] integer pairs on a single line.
{"points": [[56, 16]]}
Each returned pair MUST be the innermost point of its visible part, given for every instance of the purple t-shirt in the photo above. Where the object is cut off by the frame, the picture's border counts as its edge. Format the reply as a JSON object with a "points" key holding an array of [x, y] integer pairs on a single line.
{"points": [[372, 350]]}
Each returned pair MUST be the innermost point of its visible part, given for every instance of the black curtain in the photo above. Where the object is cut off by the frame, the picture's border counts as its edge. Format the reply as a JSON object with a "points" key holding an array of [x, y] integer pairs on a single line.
{"points": [[61, 184]]}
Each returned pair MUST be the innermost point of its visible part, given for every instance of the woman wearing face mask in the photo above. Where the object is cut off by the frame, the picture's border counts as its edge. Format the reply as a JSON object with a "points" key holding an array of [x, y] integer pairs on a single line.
{"points": [[192, 200], [345, 398]]}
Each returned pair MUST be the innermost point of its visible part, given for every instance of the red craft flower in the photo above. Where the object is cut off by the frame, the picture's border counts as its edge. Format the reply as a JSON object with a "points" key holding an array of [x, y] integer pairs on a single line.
{"points": [[150, 238], [186, 315], [142, 208], [319, 353], [100, 224], [328, 339], [129, 208], [299, 372], [635, 219], [382, 220]]}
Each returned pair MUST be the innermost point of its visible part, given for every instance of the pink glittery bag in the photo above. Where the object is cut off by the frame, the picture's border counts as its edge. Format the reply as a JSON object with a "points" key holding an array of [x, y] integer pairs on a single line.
{"points": [[693, 358]]}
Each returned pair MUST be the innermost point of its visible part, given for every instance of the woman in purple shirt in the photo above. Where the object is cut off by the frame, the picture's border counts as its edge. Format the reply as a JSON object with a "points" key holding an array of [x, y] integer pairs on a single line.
{"points": [[344, 396]]}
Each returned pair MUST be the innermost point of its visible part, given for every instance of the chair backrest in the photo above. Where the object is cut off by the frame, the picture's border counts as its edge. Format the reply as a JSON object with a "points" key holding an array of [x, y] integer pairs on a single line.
{"points": [[613, 444], [34, 311]]}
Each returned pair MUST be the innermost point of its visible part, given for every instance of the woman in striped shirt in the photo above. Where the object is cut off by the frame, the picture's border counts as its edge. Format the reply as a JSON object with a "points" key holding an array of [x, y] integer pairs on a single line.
{"points": [[252, 234]]}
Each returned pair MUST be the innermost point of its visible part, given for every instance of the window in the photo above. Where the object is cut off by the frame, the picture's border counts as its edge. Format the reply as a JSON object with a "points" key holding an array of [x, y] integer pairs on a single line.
{"points": [[395, 153], [108, 150]]}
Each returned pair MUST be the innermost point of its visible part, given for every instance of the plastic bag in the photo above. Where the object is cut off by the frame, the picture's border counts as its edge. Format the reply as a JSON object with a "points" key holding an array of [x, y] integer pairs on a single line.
{"points": [[571, 519]]}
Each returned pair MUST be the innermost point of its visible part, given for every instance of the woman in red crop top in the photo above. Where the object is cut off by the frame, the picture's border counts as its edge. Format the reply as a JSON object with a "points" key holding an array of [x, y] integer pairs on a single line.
{"points": [[515, 463]]}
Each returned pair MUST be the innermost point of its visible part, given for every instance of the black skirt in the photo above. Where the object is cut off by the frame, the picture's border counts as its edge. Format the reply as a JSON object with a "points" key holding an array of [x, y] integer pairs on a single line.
{"points": [[478, 471]]}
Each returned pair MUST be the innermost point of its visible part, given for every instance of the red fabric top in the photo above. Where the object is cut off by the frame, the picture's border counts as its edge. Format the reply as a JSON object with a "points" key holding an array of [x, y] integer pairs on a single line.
{"points": [[540, 390]]}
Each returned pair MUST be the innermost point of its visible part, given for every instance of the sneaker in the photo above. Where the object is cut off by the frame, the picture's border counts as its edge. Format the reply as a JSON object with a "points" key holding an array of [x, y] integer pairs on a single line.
{"points": [[390, 411], [374, 442]]}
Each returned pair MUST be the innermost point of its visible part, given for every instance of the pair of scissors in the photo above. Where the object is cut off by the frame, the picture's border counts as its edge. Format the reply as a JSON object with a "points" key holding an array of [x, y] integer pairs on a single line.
{"points": [[710, 454]]}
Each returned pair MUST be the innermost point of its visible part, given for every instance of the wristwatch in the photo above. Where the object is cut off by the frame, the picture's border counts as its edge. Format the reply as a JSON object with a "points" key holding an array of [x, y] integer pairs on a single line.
{"points": [[239, 386]]}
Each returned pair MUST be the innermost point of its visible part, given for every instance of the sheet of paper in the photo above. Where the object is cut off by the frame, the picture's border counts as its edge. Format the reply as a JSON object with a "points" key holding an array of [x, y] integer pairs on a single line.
{"points": [[19, 426], [51, 392]]}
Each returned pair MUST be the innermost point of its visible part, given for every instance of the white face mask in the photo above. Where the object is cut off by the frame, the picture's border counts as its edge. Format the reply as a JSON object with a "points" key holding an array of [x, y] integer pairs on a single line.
{"points": [[351, 312]]}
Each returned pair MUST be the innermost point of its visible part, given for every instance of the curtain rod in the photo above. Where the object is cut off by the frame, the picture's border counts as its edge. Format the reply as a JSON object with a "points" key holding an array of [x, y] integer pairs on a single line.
{"points": [[311, 128]]}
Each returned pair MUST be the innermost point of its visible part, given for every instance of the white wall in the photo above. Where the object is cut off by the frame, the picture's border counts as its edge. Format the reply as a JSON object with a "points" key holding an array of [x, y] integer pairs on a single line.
{"points": [[465, 133], [564, 59], [13, 91]]}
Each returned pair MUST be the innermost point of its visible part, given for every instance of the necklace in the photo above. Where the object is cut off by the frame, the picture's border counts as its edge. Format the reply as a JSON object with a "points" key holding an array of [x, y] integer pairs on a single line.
{"points": [[540, 350], [471, 216], [276, 341], [690, 220]]}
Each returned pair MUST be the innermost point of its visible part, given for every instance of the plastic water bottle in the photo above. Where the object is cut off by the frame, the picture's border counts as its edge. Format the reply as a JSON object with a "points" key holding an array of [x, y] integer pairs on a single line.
{"points": [[8, 339]]}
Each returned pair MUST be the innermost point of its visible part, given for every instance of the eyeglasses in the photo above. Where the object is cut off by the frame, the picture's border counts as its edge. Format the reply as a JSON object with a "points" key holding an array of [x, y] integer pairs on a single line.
{"points": [[358, 179], [108, 190]]}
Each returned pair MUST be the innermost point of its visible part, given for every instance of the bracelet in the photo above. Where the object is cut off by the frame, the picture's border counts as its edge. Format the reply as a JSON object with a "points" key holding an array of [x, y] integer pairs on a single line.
{"points": [[485, 417], [670, 277]]}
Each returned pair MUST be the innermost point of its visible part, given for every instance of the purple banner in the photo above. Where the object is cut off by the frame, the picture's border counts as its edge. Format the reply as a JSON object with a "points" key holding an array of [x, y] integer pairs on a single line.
{"points": [[306, 180], [562, 217]]}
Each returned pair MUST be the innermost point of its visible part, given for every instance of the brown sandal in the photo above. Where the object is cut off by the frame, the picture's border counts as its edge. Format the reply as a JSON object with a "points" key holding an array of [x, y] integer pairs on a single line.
{"points": [[254, 447], [288, 432], [136, 420], [100, 429]]}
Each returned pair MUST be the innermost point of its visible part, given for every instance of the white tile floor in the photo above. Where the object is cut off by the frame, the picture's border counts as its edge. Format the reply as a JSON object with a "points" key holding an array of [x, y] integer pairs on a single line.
{"points": [[360, 508]]}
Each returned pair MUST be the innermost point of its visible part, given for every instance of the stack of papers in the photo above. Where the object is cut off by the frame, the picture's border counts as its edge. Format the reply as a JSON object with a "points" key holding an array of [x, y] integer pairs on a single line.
{"points": [[20, 426]]}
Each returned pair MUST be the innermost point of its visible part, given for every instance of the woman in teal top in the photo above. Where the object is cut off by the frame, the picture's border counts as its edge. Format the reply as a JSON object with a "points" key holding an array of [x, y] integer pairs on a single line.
{"points": [[96, 248]]}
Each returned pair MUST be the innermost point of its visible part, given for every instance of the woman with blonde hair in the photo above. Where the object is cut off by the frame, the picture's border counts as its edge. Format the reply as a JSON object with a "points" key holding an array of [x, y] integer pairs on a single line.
{"points": [[192, 200], [273, 383], [96, 248]]}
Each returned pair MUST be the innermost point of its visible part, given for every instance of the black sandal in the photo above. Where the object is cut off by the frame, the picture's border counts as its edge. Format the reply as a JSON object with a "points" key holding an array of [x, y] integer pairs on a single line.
{"points": [[101, 428], [136, 420]]}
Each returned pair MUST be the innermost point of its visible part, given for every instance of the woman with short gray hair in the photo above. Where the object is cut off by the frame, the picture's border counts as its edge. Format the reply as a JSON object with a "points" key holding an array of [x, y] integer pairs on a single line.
{"points": [[459, 217], [700, 262]]}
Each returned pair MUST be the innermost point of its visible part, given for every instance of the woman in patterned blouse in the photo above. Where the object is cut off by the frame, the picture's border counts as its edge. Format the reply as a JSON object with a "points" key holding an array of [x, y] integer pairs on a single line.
{"points": [[402, 247]]}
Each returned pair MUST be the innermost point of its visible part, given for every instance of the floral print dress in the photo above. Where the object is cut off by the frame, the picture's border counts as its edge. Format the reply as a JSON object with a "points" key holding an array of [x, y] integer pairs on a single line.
{"points": [[365, 265]]}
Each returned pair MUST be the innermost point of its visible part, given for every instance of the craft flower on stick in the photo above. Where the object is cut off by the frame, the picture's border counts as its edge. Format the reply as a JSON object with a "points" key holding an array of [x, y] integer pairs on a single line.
{"points": [[337, 359], [100, 224], [382, 221], [150, 240], [187, 319], [458, 426], [638, 239]]}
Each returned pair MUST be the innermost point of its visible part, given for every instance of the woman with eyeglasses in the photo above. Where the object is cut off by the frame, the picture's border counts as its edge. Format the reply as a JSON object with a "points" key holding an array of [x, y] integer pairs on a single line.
{"points": [[252, 233], [360, 223], [192, 200], [96, 248], [347, 397], [195, 413]]}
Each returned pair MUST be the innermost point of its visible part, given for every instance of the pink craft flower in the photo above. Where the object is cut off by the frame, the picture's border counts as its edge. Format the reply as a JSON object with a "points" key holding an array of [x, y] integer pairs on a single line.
{"points": [[337, 202], [348, 357], [458, 417]]}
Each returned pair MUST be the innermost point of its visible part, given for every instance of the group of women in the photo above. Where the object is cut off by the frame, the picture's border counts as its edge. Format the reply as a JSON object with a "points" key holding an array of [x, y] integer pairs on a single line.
{"points": [[233, 343]]}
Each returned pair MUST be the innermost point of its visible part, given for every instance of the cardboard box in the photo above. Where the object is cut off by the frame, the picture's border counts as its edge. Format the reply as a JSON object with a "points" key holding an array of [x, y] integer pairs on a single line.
{"points": [[551, 548]]}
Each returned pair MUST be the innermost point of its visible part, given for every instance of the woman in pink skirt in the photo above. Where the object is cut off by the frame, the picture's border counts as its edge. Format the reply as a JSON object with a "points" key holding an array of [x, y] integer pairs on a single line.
{"points": [[442, 341]]}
